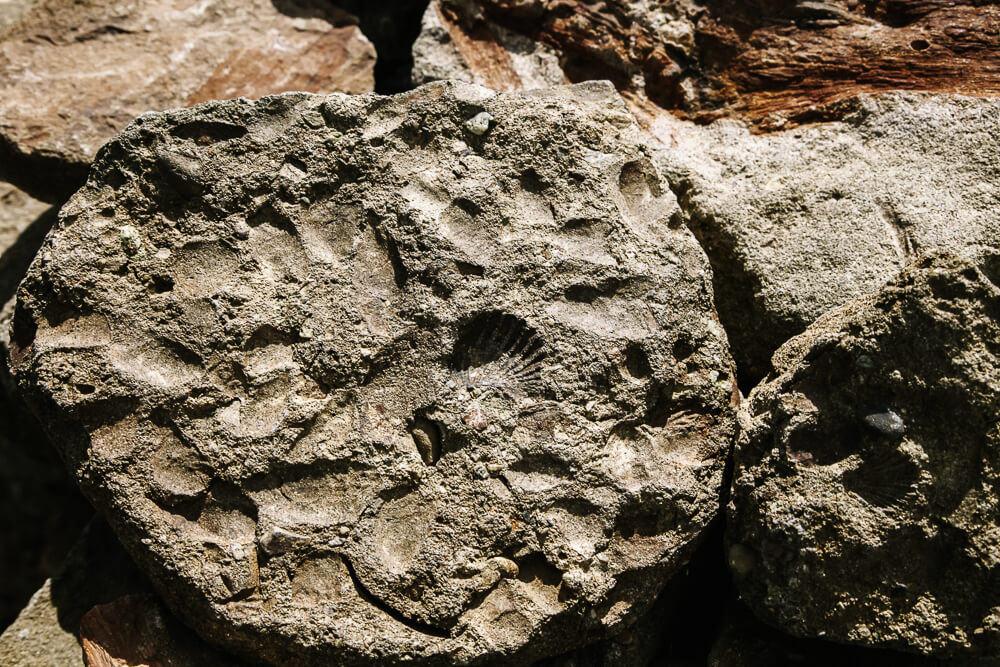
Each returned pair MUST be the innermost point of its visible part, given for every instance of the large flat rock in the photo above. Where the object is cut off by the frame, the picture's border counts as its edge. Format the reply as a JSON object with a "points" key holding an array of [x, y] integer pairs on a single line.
{"points": [[864, 505], [432, 377], [73, 74]]}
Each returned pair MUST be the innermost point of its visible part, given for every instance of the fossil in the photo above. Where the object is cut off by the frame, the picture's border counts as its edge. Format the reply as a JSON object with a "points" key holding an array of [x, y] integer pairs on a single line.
{"points": [[348, 407]]}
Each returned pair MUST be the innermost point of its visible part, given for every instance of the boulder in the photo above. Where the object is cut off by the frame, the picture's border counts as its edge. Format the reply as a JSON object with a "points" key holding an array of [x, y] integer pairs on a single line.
{"points": [[73, 74], [864, 505], [801, 221], [430, 377]]}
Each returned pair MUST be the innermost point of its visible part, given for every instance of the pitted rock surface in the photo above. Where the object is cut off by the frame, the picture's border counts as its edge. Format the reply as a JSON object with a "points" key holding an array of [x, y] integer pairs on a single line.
{"points": [[73, 74], [354, 382], [864, 506], [801, 221]]}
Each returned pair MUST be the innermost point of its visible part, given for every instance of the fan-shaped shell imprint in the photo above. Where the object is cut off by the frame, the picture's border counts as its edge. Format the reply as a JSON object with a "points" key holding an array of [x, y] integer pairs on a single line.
{"points": [[499, 350]]}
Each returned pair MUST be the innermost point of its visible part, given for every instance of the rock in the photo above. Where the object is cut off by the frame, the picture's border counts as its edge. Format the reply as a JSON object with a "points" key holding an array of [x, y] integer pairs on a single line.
{"points": [[136, 631], [392, 28], [12, 10], [477, 382], [24, 222], [96, 571], [838, 529], [37, 639], [41, 512], [743, 641], [74, 74], [457, 42], [100, 594], [770, 62], [799, 222]]}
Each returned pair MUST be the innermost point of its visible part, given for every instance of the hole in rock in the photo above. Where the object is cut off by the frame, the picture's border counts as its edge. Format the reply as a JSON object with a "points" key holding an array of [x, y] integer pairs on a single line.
{"points": [[636, 362], [426, 436]]}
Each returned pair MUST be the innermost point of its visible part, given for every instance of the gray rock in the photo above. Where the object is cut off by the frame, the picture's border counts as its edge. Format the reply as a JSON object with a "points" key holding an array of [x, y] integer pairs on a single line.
{"points": [[71, 620], [843, 529], [479, 379], [798, 222]]}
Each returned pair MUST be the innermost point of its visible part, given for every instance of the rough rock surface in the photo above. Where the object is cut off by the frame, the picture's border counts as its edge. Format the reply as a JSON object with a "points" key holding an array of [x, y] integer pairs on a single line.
{"points": [[801, 221], [12, 10], [431, 377], [97, 580], [864, 505], [72, 74], [449, 47], [770, 62]]}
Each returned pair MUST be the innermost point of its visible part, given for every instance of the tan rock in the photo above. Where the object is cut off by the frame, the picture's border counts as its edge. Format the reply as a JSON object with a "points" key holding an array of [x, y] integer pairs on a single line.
{"points": [[73, 74]]}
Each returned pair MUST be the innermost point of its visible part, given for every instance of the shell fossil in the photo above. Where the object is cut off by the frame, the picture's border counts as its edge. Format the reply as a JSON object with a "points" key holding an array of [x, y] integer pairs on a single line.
{"points": [[499, 350], [884, 478]]}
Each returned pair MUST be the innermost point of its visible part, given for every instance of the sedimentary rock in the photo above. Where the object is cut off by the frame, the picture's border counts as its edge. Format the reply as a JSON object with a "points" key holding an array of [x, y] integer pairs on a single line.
{"points": [[12, 10], [357, 380], [771, 62], [99, 606], [488, 54], [73, 74], [864, 505], [798, 222]]}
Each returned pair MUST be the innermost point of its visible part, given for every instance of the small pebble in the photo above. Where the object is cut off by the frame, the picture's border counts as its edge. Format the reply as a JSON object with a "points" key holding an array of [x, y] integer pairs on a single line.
{"points": [[131, 240], [241, 229], [479, 123], [887, 423]]}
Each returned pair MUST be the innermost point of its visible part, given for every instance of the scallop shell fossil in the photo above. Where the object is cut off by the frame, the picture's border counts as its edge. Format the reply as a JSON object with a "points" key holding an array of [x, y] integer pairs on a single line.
{"points": [[499, 350]]}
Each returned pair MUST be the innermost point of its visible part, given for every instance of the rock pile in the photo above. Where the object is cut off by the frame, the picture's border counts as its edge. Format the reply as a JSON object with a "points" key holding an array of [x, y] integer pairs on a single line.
{"points": [[454, 376]]}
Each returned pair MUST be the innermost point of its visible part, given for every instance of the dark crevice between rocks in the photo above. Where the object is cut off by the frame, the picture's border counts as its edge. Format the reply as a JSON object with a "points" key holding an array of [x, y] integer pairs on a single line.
{"points": [[48, 178], [753, 336], [392, 26]]}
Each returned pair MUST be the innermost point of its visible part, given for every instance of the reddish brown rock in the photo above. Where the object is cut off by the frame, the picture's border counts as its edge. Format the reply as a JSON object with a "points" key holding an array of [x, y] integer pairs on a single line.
{"points": [[769, 61], [136, 631], [72, 74]]}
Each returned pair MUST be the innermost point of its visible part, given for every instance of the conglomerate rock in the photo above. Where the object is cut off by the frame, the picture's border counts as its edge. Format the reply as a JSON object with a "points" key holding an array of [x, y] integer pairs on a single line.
{"points": [[864, 505], [434, 377], [801, 221], [72, 74]]}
